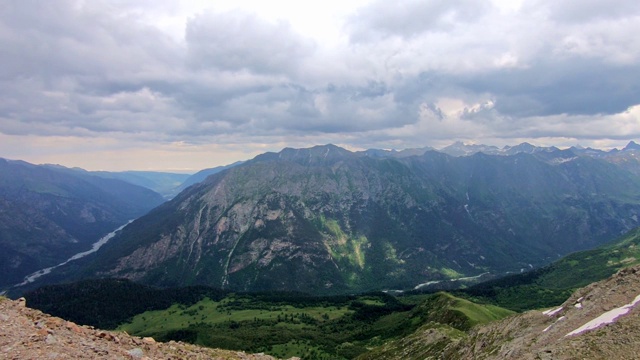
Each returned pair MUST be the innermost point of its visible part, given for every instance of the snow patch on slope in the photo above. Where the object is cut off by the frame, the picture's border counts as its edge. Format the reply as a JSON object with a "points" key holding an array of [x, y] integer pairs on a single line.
{"points": [[552, 312], [606, 318]]}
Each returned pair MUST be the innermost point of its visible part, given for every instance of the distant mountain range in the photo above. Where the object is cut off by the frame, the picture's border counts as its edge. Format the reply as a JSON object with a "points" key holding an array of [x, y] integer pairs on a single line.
{"points": [[48, 214], [327, 220], [351, 221]]}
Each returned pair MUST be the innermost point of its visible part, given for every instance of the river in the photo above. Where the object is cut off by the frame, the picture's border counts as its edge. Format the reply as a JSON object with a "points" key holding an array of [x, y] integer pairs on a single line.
{"points": [[97, 245]]}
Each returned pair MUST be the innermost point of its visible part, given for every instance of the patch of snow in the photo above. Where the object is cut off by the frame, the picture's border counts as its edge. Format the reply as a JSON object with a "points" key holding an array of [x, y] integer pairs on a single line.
{"points": [[466, 207], [555, 322], [558, 161], [552, 312], [578, 305], [606, 318]]}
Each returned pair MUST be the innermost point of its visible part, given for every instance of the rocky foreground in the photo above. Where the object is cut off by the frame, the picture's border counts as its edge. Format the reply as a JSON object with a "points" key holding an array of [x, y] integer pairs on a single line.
{"points": [[600, 321], [31, 334]]}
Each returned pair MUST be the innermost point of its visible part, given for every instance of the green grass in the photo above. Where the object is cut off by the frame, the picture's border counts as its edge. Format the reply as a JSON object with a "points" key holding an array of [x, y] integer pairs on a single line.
{"points": [[479, 314], [282, 324], [217, 312], [322, 328], [343, 246], [459, 313]]}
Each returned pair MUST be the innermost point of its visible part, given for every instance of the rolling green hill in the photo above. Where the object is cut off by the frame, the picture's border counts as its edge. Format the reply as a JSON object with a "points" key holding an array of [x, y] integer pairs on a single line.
{"points": [[277, 323]]}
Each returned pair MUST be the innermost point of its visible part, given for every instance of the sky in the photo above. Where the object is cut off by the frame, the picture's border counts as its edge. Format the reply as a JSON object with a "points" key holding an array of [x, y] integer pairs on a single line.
{"points": [[186, 85]]}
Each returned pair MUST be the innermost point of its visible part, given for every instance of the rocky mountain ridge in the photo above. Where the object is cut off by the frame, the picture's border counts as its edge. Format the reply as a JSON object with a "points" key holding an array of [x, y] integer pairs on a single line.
{"points": [[352, 222], [599, 321]]}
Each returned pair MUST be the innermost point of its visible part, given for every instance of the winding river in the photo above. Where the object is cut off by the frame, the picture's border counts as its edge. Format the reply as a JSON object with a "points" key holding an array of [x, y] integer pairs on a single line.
{"points": [[97, 245]]}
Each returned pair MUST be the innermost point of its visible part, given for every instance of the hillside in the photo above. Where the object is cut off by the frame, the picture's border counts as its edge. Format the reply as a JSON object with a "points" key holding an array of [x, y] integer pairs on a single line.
{"points": [[552, 284], [30, 334], [48, 214], [600, 321], [326, 220], [281, 324]]}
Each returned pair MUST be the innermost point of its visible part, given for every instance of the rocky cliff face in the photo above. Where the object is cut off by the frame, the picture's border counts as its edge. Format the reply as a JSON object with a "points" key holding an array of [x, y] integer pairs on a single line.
{"points": [[30, 334], [327, 220]]}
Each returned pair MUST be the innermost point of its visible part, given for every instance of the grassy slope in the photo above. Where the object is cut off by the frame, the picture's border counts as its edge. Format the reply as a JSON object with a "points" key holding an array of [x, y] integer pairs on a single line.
{"points": [[336, 330], [281, 324], [445, 318], [551, 285]]}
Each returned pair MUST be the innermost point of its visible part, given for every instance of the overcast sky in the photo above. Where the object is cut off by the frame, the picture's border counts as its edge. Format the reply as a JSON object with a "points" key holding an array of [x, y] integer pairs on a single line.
{"points": [[186, 85]]}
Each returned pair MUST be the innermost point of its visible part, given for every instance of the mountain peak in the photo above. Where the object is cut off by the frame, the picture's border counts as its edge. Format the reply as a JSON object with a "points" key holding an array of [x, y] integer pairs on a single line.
{"points": [[632, 145], [459, 148], [319, 154]]}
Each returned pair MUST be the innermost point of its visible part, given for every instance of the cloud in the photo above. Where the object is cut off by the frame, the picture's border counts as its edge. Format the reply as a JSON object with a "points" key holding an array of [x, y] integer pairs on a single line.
{"points": [[404, 74], [568, 11], [411, 18], [236, 41]]}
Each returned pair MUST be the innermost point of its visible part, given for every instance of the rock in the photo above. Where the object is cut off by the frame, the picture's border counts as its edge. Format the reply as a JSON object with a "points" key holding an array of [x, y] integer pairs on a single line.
{"points": [[149, 340], [73, 327], [136, 353], [50, 340]]}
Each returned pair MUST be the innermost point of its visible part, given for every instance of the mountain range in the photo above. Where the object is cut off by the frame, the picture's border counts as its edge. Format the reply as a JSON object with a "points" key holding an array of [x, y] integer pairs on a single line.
{"points": [[327, 220], [48, 214], [351, 221]]}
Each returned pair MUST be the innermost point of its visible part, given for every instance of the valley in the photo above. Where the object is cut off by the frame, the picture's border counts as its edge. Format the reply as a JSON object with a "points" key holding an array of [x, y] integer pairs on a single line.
{"points": [[94, 247], [337, 180], [374, 325], [324, 253]]}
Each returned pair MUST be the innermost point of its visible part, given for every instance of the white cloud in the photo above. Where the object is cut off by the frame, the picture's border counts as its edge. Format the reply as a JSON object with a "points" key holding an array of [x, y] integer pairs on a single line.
{"points": [[359, 74]]}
